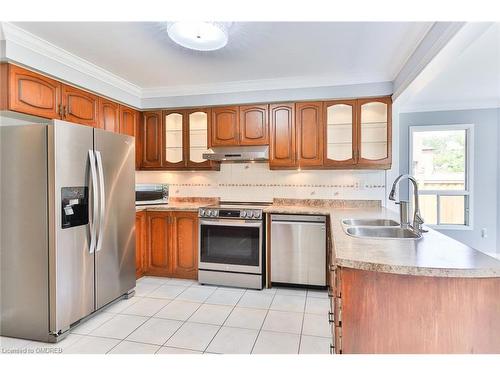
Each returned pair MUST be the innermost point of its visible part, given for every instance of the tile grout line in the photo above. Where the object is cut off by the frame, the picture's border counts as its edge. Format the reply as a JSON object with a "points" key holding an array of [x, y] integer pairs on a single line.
{"points": [[216, 333], [263, 321], [303, 319], [186, 320], [149, 318]]}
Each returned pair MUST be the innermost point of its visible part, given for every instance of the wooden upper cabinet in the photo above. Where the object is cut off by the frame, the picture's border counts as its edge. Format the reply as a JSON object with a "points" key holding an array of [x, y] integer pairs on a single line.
{"points": [[282, 148], [129, 119], [30, 93], [109, 115], [374, 129], [184, 244], [224, 129], [254, 125], [310, 132], [174, 155], [79, 106], [158, 243], [151, 139], [196, 138], [340, 138]]}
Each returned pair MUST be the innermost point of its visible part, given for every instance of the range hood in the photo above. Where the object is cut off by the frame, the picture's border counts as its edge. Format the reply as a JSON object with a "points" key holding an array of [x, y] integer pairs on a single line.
{"points": [[238, 154]]}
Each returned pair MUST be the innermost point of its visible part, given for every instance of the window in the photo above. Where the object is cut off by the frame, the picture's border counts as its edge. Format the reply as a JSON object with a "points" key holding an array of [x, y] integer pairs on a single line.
{"points": [[441, 162]]}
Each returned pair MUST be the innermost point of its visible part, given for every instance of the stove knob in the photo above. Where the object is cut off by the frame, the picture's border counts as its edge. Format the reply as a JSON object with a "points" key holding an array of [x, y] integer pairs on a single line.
{"points": [[213, 213], [244, 214], [202, 212], [256, 214]]}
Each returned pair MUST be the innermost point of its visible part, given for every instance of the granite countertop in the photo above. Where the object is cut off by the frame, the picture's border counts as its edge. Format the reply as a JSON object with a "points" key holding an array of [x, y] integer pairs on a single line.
{"points": [[434, 254], [179, 206]]}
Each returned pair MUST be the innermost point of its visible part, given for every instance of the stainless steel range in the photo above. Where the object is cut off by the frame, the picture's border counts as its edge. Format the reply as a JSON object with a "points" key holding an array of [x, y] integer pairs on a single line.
{"points": [[232, 246]]}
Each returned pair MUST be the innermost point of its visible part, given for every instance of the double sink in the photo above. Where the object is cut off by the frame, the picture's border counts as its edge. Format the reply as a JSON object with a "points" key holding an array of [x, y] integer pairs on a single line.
{"points": [[378, 228]]}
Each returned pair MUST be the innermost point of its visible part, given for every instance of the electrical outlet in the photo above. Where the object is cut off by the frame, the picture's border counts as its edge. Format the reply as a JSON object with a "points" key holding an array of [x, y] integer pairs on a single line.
{"points": [[484, 233]]}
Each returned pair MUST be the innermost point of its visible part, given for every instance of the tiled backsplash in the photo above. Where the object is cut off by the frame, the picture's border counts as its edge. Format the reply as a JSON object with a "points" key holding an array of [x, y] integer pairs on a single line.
{"points": [[255, 182]]}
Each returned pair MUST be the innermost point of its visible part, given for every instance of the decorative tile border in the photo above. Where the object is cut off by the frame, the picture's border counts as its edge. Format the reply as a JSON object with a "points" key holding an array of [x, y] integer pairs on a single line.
{"points": [[343, 186]]}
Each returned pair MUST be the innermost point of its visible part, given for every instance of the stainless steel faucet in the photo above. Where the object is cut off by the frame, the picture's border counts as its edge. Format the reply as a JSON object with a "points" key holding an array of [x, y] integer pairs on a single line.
{"points": [[404, 206]]}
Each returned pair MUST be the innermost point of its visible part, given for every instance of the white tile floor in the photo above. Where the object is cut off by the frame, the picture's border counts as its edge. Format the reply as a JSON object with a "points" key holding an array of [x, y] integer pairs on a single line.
{"points": [[173, 316]]}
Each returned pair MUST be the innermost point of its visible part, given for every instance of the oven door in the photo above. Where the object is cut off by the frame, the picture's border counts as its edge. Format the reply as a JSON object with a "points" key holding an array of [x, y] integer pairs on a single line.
{"points": [[231, 245]]}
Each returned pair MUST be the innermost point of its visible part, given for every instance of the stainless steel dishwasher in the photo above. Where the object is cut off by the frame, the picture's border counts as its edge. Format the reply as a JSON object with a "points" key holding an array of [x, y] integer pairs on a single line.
{"points": [[298, 249]]}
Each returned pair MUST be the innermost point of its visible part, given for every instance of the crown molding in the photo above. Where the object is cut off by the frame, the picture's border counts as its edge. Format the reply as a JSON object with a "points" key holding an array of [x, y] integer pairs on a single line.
{"points": [[436, 38], [270, 95], [256, 85], [32, 51], [489, 103], [451, 48]]}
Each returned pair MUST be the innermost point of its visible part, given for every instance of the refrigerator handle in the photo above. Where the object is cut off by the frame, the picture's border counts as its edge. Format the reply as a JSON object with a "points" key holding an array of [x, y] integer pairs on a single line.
{"points": [[94, 202], [102, 200]]}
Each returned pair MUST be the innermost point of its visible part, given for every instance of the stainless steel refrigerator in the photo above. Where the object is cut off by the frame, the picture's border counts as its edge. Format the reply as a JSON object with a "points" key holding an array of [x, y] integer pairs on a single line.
{"points": [[67, 225]]}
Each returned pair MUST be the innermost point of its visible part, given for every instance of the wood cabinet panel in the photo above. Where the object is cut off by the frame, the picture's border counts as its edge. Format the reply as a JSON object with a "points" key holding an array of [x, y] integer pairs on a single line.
{"points": [[196, 138], [310, 134], [405, 314], [4, 86], [32, 93], [109, 115], [370, 133], [283, 138], [128, 120], [158, 239], [79, 106], [151, 139], [224, 129], [140, 242], [174, 139], [340, 134], [185, 245], [254, 125]]}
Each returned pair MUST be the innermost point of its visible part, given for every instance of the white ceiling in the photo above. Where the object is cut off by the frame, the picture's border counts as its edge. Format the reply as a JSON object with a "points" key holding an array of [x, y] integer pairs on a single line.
{"points": [[468, 78], [332, 53]]}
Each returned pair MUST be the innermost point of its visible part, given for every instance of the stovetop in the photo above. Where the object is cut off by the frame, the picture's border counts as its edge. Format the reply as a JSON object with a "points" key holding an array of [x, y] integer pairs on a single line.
{"points": [[227, 210]]}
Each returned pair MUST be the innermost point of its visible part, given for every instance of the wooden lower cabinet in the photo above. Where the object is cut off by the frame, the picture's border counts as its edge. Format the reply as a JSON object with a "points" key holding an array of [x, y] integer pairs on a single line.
{"points": [[384, 313], [171, 239], [184, 247], [140, 243], [158, 243]]}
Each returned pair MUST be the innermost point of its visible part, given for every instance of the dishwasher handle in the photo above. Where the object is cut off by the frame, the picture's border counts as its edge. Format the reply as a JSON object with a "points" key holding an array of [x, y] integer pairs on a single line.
{"points": [[303, 223], [313, 219]]}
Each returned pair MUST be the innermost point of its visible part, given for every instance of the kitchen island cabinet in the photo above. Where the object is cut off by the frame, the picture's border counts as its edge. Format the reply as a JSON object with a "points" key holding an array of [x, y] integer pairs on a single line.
{"points": [[376, 312], [402, 296]]}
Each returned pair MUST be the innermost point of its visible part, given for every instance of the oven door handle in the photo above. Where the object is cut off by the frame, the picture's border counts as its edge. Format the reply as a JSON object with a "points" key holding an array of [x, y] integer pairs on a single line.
{"points": [[231, 223]]}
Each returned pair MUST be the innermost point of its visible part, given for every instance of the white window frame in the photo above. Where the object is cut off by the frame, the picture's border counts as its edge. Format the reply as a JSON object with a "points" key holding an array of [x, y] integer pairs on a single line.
{"points": [[469, 173]]}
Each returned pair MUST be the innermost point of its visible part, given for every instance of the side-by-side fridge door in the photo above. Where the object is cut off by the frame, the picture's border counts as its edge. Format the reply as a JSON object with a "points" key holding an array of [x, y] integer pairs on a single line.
{"points": [[115, 247], [71, 176]]}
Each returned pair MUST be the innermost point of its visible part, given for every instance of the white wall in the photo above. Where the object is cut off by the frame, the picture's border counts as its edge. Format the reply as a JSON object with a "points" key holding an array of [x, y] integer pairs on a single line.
{"points": [[255, 182], [498, 184], [486, 168]]}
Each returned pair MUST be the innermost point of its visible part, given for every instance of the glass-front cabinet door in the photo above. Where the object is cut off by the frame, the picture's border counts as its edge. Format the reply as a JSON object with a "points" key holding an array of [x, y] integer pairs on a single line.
{"points": [[340, 133], [374, 132], [173, 133], [197, 137]]}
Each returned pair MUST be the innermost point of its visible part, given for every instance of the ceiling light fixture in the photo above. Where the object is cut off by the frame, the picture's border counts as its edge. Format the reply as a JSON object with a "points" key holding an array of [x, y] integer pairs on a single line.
{"points": [[200, 36]]}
